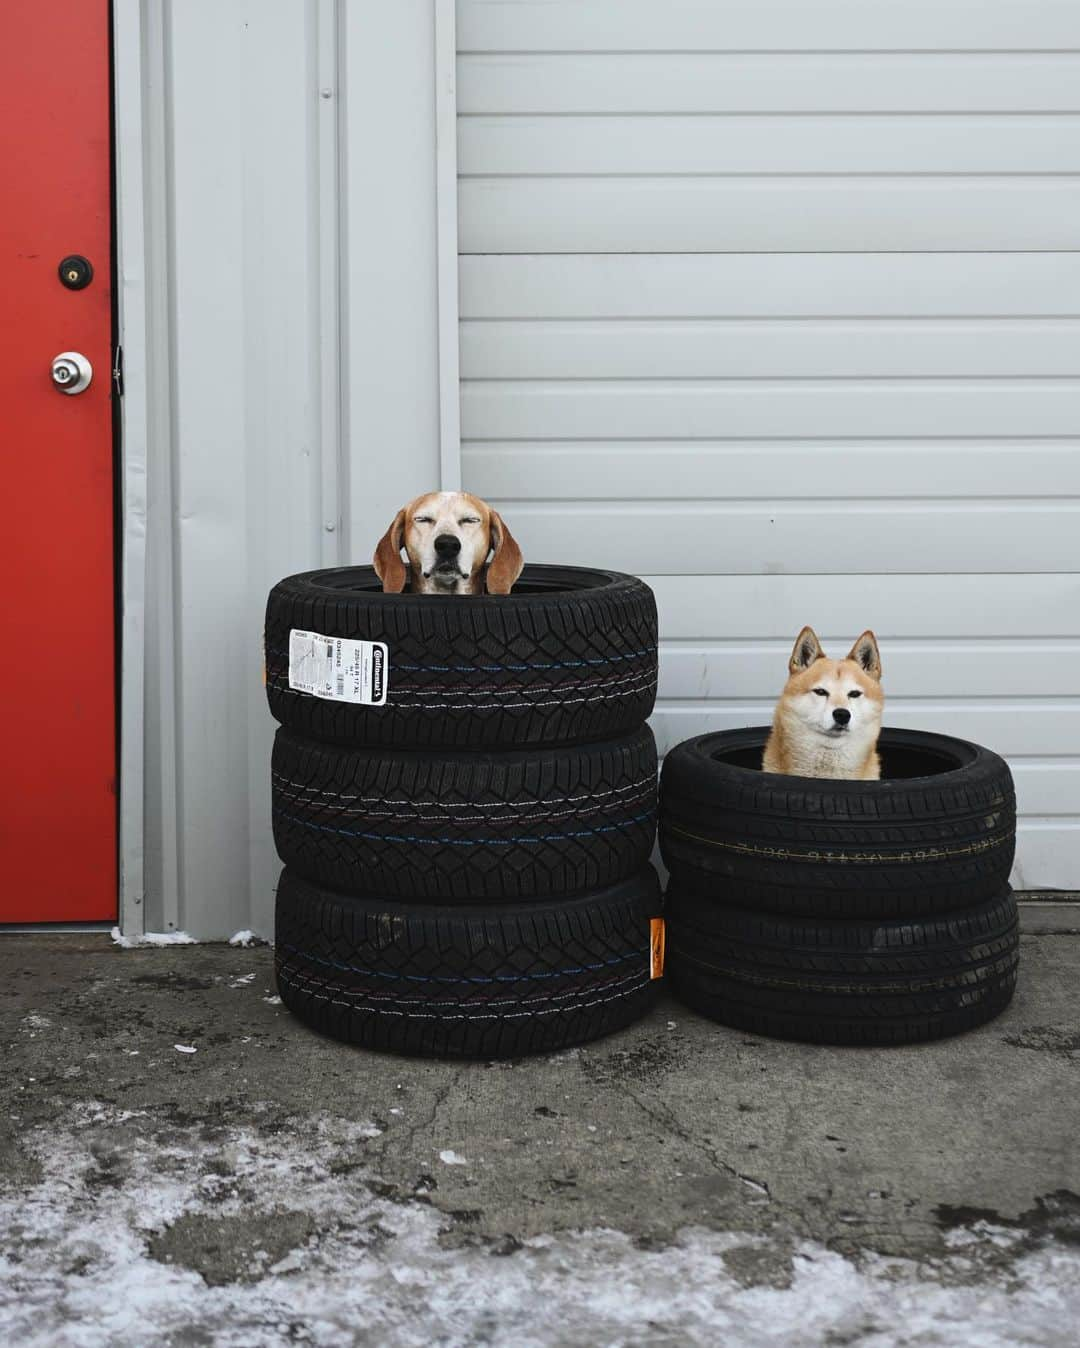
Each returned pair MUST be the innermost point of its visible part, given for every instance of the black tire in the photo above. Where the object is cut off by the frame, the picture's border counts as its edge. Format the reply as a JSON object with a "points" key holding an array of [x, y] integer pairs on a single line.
{"points": [[937, 832], [568, 657], [472, 982], [878, 983], [465, 827]]}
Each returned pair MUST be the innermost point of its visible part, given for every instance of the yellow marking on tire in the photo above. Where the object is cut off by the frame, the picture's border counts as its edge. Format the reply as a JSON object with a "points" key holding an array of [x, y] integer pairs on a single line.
{"points": [[843, 858]]}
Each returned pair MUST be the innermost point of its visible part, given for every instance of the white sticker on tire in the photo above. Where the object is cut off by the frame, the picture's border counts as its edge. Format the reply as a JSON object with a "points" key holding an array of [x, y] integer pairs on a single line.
{"points": [[338, 669]]}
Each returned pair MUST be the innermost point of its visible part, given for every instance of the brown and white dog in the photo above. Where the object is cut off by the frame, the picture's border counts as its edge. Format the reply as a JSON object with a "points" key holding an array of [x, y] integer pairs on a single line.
{"points": [[448, 536], [828, 719]]}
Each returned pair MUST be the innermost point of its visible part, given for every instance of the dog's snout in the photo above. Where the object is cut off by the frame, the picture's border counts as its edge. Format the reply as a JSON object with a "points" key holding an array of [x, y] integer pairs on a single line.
{"points": [[841, 715], [446, 545]]}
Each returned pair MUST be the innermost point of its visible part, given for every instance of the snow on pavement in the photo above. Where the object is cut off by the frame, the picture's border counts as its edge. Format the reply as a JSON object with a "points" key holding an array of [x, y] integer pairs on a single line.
{"points": [[315, 1255], [151, 938]]}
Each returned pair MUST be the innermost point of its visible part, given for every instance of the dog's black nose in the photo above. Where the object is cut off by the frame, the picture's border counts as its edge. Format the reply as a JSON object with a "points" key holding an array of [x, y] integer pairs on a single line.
{"points": [[446, 545], [841, 715]]}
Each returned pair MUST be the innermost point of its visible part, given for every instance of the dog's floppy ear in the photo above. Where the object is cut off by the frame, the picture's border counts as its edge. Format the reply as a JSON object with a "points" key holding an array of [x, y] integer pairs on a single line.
{"points": [[388, 564], [507, 561], [866, 655], [806, 650]]}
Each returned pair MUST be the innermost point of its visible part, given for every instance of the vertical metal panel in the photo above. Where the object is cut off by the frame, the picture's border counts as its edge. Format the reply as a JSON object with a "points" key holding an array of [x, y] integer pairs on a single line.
{"points": [[246, 416], [327, 356], [278, 244], [446, 207], [391, 355]]}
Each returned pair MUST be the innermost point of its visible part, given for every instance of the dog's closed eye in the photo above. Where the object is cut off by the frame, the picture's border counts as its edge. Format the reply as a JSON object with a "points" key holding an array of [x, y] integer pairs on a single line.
{"points": [[456, 544]]}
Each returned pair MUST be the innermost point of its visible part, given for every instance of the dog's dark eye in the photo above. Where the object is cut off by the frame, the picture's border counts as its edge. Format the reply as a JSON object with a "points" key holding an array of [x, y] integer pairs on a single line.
{"points": [[469, 519], [854, 693], [822, 692], [423, 519]]}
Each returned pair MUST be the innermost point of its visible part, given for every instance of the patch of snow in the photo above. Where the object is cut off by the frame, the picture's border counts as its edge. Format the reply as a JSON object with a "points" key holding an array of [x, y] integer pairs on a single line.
{"points": [[452, 1158], [76, 1269], [242, 981], [345, 1130], [247, 938], [1003, 1237], [185, 1048], [272, 1001], [152, 938], [292, 1263]]}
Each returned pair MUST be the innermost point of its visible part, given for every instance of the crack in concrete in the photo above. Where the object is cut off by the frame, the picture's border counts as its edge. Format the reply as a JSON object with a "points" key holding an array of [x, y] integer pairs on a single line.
{"points": [[394, 1149], [665, 1118], [440, 1097]]}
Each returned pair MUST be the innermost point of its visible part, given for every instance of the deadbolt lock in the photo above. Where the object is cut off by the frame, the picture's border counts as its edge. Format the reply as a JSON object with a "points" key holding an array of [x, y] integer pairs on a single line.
{"points": [[75, 272]]}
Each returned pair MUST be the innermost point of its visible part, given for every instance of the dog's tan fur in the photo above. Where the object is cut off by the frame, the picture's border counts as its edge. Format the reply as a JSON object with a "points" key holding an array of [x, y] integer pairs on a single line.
{"points": [[477, 532], [806, 739]]}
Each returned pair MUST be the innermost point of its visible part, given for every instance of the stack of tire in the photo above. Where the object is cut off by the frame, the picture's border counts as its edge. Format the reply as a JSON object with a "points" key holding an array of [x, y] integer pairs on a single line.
{"points": [[840, 912], [467, 851]]}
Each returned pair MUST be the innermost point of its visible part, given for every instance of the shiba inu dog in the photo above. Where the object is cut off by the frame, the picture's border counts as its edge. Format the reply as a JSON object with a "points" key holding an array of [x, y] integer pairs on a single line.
{"points": [[827, 721]]}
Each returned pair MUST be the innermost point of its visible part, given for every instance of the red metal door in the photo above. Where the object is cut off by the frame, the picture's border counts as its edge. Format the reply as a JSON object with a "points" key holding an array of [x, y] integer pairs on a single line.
{"points": [[57, 667]]}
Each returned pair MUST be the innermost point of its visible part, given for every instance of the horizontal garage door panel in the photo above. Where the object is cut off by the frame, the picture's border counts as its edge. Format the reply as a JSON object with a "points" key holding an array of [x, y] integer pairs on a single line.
{"points": [[757, 286], [781, 214], [807, 348], [584, 470], [1041, 845], [645, 25], [929, 669], [1035, 732], [814, 84], [713, 608], [825, 537], [707, 409], [1050, 791], [517, 146]]}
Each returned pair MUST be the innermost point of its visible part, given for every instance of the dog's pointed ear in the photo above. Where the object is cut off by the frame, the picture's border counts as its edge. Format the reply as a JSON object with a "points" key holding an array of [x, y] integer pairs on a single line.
{"points": [[866, 655], [506, 561], [389, 567], [806, 650]]}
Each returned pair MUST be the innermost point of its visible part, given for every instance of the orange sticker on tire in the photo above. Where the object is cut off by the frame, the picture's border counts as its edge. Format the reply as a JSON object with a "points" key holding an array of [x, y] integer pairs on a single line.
{"points": [[656, 947]]}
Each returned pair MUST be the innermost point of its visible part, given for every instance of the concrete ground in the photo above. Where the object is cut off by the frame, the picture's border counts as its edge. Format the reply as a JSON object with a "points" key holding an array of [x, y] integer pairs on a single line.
{"points": [[182, 1163]]}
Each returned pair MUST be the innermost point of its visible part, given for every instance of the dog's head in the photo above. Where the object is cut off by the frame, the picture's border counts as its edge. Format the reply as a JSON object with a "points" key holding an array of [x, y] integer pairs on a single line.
{"points": [[448, 536], [835, 698]]}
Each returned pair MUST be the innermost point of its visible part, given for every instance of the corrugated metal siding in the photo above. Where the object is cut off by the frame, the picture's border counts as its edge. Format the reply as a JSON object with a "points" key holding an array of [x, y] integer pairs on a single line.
{"points": [[290, 230], [771, 302]]}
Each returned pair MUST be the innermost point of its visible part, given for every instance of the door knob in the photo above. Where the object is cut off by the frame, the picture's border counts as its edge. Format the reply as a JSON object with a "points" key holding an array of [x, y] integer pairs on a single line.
{"points": [[71, 373]]}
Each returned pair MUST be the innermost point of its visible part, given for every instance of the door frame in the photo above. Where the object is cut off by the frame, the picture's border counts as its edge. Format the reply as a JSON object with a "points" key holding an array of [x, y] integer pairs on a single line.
{"points": [[142, 335]]}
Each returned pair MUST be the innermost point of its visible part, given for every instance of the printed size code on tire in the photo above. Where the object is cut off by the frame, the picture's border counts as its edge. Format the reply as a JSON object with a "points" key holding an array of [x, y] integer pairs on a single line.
{"points": [[339, 669]]}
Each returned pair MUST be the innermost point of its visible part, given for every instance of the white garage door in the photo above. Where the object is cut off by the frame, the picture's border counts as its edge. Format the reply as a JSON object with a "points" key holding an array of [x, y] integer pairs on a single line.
{"points": [[774, 304]]}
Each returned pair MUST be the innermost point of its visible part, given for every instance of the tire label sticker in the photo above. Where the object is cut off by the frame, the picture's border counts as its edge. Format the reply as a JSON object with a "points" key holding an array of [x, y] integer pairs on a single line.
{"points": [[656, 947], [339, 669]]}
